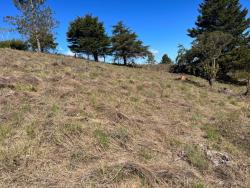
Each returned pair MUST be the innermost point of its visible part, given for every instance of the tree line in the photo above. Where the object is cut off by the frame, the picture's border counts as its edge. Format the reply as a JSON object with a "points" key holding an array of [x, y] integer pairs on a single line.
{"points": [[220, 47], [86, 35]]}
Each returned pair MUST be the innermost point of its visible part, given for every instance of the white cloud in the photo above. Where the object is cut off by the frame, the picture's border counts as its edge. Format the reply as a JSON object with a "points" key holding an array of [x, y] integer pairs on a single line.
{"points": [[154, 51], [69, 53]]}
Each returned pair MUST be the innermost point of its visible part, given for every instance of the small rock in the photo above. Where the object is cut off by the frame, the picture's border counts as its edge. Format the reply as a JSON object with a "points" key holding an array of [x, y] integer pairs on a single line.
{"points": [[218, 158]]}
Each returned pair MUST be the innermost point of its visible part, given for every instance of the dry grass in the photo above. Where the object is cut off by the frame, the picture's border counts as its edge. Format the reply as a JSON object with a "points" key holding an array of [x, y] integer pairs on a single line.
{"points": [[66, 122]]}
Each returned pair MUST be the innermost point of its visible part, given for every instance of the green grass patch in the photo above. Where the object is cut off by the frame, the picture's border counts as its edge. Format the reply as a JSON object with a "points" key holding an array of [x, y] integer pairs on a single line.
{"points": [[102, 138], [196, 157], [212, 133], [25, 87], [55, 109], [5, 131], [145, 154]]}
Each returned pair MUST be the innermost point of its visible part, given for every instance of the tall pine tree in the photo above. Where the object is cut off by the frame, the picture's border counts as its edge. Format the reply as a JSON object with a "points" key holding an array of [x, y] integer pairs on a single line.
{"points": [[125, 44], [87, 35], [226, 16]]}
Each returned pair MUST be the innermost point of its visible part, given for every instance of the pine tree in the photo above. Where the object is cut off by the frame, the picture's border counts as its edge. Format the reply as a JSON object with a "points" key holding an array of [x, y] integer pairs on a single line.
{"points": [[241, 65], [151, 58], [222, 15], [125, 44], [35, 22], [166, 60], [87, 35]]}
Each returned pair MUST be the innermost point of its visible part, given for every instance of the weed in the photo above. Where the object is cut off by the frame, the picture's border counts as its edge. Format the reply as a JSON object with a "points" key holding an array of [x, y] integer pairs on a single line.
{"points": [[168, 86], [212, 133], [196, 117], [196, 157], [5, 131], [198, 185], [55, 109], [93, 99], [150, 93], [79, 156], [102, 138], [25, 87], [72, 128], [93, 75], [140, 87], [233, 102], [174, 143], [134, 98], [30, 131], [221, 103], [145, 154]]}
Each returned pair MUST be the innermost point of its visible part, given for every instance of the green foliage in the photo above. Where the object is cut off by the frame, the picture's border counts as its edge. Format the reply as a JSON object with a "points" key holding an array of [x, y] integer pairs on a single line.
{"points": [[14, 44], [210, 47], [5, 131], [224, 15], [241, 65], [55, 109], [216, 17], [47, 42], [87, 35], [166, 60], [145, 154], [35, 21], [198, 185], [212, 133], [151, 59], [125, 44]]}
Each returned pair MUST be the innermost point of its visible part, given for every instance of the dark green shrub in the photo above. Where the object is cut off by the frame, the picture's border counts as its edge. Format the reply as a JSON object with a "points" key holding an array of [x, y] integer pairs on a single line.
{"points": [[14, 44]]}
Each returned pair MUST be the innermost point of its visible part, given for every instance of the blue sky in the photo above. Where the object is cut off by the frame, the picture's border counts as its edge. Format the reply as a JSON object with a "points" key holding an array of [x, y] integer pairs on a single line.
{"points": [[161, 24]]}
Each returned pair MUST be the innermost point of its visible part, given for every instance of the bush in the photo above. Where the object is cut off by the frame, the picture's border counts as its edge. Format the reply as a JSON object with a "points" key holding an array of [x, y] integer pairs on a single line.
{"points": [[14, 44]]}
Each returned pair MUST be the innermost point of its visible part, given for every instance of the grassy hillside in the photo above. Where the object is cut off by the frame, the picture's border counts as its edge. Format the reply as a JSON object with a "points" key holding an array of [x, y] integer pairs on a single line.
{"points": [[71, 123]]}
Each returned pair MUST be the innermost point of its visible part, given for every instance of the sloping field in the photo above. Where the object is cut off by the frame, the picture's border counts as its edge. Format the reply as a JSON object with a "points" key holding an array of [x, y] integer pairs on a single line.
{"points": [[66, 122]]}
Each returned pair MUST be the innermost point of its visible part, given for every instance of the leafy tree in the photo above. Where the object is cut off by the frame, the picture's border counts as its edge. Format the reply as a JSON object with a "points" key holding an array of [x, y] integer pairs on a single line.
{"points": [[35, 22], [211, 46], [151, 58], [166, 60], [221, 15], [180, 58], [125, 44], [46, 43], [87, 35]]}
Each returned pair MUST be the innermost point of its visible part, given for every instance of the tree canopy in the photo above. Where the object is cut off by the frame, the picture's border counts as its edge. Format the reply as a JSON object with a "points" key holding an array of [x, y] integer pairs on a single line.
{"points": [[36, 22], [166, 60], [126, 45], [226, 16], [87, 35]]}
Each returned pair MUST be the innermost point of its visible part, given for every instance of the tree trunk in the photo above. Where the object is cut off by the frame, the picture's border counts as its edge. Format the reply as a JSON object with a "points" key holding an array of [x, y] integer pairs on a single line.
{"points": [[34, 26], [104, 58], [125, 60], [211, 82], [96, 57], [248, 88], [38, 44]]}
